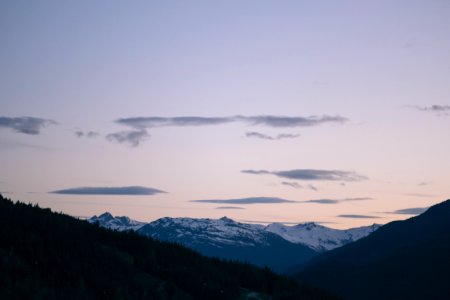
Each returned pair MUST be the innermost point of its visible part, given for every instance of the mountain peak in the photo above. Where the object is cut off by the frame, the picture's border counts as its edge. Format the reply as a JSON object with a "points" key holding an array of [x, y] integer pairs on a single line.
{"points": [[117, 223], [319, 237], [106, 216], [226, 219], [308, 225]]}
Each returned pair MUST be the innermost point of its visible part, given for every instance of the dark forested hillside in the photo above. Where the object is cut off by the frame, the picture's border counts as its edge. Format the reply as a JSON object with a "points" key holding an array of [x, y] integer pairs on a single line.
{"points": [[45, 255], [401, 260]]}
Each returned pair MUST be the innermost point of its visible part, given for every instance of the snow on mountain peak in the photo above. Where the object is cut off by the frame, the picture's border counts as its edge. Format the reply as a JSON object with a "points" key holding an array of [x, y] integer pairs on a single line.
{"points": [[221, 231], [228, 231], [319, 237], [106, 216], [116, 223]]}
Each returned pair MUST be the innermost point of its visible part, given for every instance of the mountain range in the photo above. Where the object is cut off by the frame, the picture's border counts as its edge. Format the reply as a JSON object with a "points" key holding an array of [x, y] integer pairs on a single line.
{"points": [[277, 246], [47, 255]]}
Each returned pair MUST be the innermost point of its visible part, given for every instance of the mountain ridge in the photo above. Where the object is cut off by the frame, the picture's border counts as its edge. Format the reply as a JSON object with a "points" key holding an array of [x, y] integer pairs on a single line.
{"points": [[402, 260], [229, 239], [317, 237]]}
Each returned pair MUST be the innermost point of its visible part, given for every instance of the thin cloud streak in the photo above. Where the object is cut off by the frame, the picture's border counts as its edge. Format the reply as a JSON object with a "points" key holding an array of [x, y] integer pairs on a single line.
{"points": [[434, 108], [264, 120], [251, 200], [153, 122], [287, 223], [410, 211], [336, 201], [357, 216], [296, 185], [25, 125], [126, 190], [284, 121], [229, 207], [263, 136], [311, 174]]}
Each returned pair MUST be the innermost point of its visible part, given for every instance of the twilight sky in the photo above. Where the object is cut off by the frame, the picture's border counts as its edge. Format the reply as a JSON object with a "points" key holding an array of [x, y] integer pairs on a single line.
{"points": [[263, 111]]}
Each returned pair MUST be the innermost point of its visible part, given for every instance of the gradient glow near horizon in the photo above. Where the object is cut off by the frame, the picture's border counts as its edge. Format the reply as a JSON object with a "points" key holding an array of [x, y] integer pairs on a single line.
{"points": [[264, 111]]}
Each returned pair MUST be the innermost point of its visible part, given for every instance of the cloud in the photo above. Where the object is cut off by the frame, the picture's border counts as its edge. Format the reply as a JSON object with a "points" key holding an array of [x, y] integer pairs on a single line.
{"points": [[152, 122], [126, 190], [264, 120], [323, 201], [440, 110], [295, 185], [434, 108], [311, 174], [88, 134], [287, 136], [256, 172], [287, 223], [358, 216], [312, 187], [142, 124], [251, 200], [284, 121], [26, 125], [281, 136], [410, 211], [336, 201], [133, 138], [229, 207]]}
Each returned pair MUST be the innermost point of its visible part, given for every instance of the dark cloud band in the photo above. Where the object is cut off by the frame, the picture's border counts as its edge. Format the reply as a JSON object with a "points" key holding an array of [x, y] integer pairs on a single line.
{"points": [[26, 125], [152, 122], [251, 200], [311, 174], [283, 121], [264, 120], [410, 211], [126, 190], [358, 216], [336, 201]]}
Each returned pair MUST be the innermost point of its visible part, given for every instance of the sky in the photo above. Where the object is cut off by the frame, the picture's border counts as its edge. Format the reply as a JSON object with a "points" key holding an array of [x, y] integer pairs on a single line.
{"points": [[335, 112]]}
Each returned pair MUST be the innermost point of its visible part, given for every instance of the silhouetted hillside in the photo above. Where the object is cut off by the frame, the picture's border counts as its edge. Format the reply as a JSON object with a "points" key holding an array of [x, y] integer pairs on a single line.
{"points": [[45, 255], [401, 260]]}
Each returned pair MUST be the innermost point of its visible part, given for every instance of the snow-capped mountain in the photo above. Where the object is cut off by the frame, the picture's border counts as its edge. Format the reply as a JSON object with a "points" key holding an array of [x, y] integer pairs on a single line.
{"points": [[229, 239], [222, 238], [277, 246], [318, 237], [116, 223], [226, 231], [223, 231]]}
